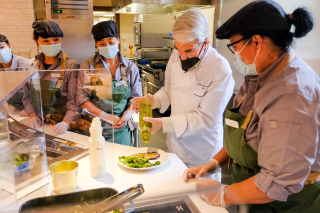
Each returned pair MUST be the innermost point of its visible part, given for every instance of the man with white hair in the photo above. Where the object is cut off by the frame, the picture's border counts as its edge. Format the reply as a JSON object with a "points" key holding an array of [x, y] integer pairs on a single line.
{"points": [[198, 86]]}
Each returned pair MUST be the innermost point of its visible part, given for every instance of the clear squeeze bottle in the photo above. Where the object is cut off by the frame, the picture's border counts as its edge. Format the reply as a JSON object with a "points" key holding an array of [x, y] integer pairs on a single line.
{"points": [[97, 150]]}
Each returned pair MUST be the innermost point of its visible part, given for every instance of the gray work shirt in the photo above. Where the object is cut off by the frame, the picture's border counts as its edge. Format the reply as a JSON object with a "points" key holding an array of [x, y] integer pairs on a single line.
{"points": [[284, 129], [18, 63], [132, 74], [69, 88]]}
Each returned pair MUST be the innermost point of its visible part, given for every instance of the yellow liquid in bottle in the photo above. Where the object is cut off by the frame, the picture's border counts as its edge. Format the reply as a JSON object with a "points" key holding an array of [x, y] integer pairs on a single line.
{"points": [[145, 127]]}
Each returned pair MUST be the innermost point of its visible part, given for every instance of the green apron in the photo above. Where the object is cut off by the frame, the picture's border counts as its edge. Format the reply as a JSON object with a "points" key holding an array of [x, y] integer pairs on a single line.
{"points": [[53, 102], [244, 165], [120, 97], [16, 100]]}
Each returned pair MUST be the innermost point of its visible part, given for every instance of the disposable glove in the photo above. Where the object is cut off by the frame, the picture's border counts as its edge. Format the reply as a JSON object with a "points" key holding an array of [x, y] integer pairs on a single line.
{"points": [[211, 191], [34, 122], [109, 117], [135, 106], [124, 119], [23, 113], [60, 128], [198, 171], [156, 124]]}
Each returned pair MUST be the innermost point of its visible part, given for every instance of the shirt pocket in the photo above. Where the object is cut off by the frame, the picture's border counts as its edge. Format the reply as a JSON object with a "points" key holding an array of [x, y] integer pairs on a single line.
{"points": [[279, 148]]}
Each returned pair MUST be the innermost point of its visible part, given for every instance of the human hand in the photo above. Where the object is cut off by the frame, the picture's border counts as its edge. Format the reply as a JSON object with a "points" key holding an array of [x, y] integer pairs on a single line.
{"points": [[135, 106], [110, 117], [60, 128], [156, 124], [34, 123], [23, 113], [198, 171], [211, 191], [124, 119]]}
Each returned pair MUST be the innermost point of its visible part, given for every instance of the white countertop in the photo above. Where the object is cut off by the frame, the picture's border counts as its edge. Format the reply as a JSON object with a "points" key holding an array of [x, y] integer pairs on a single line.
{"points": [[163, 182]]}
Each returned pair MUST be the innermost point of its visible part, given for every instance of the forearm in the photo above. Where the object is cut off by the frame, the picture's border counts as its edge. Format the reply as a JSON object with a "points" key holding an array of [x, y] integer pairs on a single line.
{"points": [[222, 157], [245, 192], [91, 108]]}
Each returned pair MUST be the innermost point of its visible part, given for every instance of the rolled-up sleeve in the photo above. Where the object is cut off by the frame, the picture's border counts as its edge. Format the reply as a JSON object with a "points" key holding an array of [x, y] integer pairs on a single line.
{"points": [[83, 94], [71, 90], [288, 134], [26, 100]]}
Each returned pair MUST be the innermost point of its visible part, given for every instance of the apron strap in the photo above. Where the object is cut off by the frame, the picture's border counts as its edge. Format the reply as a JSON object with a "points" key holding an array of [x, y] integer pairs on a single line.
{"points": [[123, 75], [98, 65], [240, 102], [63, 65], [285, 61]]}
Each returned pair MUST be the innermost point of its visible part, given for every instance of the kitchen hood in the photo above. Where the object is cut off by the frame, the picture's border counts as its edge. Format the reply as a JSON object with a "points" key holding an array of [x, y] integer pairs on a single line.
{"points": [[157, 6]]}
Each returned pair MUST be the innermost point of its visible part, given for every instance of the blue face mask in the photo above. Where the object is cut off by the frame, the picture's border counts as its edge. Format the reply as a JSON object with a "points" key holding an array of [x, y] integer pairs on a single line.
{"points": [[5, 55], [109, 51], [243, 68], [51, 50]]}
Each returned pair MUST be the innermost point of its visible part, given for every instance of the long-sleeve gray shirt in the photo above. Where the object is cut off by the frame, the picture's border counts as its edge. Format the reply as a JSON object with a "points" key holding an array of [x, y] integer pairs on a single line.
{"points": [[69, 88], [132, 74], [285, 125], [18, 63]]}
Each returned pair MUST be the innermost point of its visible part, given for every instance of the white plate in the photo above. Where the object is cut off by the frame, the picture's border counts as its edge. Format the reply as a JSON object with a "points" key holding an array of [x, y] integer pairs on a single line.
{"points": [[164, 157]]}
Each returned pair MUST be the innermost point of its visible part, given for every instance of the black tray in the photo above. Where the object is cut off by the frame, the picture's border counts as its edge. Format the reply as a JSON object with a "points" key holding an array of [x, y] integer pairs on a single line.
{"points": [[67, 202]]}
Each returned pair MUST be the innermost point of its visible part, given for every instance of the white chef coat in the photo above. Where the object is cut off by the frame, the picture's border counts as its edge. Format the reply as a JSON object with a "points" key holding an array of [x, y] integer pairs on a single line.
{"points": [[198, 99]]}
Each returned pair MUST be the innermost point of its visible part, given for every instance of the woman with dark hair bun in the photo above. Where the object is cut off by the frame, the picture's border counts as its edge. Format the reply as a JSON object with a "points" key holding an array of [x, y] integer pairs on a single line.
{"points": [[58, 86], [271, 136]]}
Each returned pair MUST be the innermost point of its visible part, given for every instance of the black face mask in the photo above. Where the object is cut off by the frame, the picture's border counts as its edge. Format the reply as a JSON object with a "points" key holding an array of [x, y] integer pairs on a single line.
{"points": [[190, 62]]}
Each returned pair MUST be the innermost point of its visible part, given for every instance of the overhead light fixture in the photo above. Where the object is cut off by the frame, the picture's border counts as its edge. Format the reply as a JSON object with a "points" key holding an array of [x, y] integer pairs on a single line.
{"points": [[109, 15], [99, 12]]}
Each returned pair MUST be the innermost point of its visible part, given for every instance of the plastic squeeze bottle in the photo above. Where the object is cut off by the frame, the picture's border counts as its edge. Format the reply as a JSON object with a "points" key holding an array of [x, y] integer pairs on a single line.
{"points": [[97, 149], [145, 127]]}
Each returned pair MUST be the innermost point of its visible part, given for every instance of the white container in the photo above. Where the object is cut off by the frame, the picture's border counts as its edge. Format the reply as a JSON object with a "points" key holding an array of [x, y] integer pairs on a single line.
{"points": [[97, 150]]}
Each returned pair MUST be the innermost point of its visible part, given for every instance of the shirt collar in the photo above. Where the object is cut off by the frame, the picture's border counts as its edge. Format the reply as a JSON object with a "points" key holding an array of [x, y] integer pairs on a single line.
{"points": [[40, 57], [266, 75]]}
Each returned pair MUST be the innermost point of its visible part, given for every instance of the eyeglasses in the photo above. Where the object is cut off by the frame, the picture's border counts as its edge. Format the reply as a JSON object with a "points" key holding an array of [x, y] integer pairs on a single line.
{"points": [[187, 54], [230, 45]]}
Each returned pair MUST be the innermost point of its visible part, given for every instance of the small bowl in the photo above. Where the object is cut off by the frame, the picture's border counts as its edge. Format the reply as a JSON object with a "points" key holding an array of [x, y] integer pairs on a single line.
{"points": [[23, 167], [64, 176]]}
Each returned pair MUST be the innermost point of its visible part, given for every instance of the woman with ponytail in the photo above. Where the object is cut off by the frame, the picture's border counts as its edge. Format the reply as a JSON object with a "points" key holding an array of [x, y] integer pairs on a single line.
{"points": [[271, 136]]}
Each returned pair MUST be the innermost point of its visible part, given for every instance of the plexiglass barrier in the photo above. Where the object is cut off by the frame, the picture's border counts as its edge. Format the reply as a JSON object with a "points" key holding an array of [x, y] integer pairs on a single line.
{"points": [[45, 118]]}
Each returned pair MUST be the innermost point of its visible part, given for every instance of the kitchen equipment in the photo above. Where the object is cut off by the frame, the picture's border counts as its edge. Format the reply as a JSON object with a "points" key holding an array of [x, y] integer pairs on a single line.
{"points": [[149, 30], [62, 203], [118, 200], [164, 157], [75, 18], [64, 176], [171, 204], [84, 201]]}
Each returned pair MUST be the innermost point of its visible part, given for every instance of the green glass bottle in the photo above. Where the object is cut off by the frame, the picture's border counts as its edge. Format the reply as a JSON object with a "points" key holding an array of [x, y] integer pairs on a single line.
{"points": [[145, 127]]}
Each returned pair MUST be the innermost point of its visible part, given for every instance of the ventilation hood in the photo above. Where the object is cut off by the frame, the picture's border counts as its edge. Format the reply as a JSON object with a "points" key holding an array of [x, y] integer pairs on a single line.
{"points": [[157, 6]]}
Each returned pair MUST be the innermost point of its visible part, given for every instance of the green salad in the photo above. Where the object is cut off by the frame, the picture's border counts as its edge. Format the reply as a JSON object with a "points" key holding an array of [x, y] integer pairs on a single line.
{"points": [[137, 162]]}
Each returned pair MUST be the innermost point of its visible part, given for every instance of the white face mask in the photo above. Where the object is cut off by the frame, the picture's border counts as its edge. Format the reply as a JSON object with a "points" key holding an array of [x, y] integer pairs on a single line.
{"points": [[5, 55], [243, 68], [109, 51], [51, 50]]}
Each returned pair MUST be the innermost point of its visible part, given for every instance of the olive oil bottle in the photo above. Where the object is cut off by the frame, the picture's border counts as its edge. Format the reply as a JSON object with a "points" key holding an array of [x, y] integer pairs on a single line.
{"points": [[145, 127]]}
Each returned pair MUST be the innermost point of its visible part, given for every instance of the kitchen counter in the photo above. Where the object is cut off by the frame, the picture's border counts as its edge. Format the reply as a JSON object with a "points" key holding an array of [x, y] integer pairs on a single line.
{"points": [[163, 182]]}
